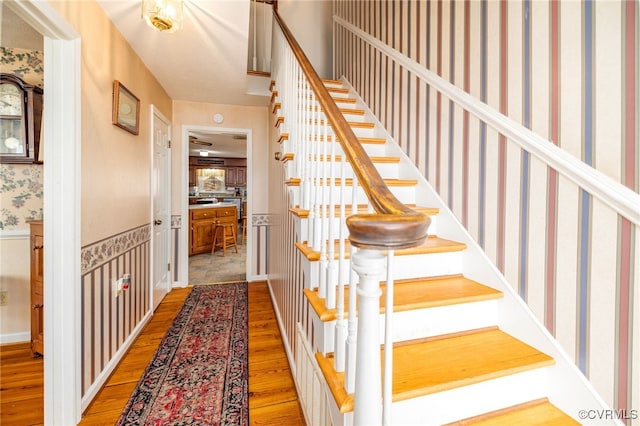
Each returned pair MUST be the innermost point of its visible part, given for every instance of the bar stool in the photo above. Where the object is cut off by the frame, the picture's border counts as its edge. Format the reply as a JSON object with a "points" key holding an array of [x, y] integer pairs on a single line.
{"points": [[244, 228], [244, 221], [224, 235]]}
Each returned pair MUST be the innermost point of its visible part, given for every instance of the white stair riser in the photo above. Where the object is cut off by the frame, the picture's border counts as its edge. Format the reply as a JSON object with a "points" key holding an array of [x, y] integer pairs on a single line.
{"points": [[472, 400], [361, 132], [460, 403], [335, 230], [350, 117], [372, 149], [322, 168], [420, 323], [335, 95], [409, 266], [404, 194]]}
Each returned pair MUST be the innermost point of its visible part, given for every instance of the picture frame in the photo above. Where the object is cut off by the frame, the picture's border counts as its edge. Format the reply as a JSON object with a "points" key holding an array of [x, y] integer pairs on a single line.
{"points": [[126, 108]]}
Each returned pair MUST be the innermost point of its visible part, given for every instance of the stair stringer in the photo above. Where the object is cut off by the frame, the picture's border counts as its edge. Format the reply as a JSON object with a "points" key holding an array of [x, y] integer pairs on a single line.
{"points": [[568, 387]]}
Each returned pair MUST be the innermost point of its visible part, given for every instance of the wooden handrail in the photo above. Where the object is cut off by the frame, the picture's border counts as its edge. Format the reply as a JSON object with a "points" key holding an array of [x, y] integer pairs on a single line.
{"points": [[394, 225]]}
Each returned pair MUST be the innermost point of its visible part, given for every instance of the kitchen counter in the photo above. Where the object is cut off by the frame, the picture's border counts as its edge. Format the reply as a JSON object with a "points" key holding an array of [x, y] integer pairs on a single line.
{"points": [[210, 206], [203, 219], [215, 195]]}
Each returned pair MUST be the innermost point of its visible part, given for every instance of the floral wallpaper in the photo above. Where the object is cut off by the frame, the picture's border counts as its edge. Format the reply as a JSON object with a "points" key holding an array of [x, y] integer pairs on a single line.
{"points": [[20, 194], [26, 64], [21, 184]]}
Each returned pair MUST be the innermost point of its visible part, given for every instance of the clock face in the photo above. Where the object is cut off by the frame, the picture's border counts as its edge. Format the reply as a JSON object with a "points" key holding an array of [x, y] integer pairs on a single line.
{"points": [[10, 100]]}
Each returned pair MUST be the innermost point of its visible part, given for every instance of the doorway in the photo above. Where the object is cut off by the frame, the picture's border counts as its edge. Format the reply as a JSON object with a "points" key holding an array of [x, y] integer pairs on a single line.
{"points": [[161, 207], [209, 149], [61, 188]]}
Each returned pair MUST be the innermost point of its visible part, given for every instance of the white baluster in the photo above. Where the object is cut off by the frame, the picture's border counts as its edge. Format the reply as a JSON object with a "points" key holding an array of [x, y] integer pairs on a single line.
{"points": [[370, 267], [319, 179], [388, 343], [332, 275], [352, 336], [341, 325], [312, 217], [326, 188], [304, 123], [324, 237]]}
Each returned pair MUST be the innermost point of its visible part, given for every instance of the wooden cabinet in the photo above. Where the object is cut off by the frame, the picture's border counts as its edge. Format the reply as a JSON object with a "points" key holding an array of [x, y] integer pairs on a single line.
{"points": [[201, 224], [230, 177], [235, 169], [37, 288], [241, 177], [236, 176]]}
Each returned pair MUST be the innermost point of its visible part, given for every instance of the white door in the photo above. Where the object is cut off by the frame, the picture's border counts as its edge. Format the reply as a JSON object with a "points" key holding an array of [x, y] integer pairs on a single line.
{"points": [[161, 191]]}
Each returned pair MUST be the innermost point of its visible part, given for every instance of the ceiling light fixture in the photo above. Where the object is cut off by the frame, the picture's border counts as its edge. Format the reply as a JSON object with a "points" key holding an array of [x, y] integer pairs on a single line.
{"points": [[204, 153], [164, 15]]}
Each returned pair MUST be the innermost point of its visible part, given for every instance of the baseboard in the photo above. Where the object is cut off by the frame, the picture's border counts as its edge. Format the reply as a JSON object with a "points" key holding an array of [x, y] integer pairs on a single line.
{"points": [[24, 337]]}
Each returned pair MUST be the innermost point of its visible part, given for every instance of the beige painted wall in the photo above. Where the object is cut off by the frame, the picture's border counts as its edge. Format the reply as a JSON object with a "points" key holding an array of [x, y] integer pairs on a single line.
{"points": [[235, 117], [115, 163], [317, 14]]}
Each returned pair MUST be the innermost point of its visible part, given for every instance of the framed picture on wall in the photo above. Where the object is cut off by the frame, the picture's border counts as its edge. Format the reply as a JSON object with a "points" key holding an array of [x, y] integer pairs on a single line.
{"points": [[126, 108]]}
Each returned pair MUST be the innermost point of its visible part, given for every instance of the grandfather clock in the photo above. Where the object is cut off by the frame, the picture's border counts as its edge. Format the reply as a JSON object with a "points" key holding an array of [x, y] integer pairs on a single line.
{"points": [[20, 120]]}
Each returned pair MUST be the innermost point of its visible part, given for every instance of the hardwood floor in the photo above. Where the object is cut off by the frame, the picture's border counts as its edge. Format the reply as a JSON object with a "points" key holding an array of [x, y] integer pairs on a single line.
{"points": [[272, 394]]}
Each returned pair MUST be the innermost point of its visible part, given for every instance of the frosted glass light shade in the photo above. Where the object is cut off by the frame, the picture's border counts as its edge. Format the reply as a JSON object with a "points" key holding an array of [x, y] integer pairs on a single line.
{"points": [[164, 15]]}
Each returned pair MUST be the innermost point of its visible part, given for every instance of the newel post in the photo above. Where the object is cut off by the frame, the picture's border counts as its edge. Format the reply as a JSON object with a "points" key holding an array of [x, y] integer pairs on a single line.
{"points": [[370, 267]]}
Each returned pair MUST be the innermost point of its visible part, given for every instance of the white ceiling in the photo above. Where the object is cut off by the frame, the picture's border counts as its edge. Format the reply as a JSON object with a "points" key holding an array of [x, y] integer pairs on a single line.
{"points": [[205, 61], [226, 145]]}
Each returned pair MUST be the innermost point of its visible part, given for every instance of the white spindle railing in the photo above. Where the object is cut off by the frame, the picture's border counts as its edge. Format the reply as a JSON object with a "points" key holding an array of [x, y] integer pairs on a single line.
{"points": [[323, 169], [323, 191]]}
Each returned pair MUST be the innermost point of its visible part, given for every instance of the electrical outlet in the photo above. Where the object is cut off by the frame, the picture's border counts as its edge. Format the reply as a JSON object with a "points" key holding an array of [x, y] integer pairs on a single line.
{"points": [[4, 297], [116, 287]]}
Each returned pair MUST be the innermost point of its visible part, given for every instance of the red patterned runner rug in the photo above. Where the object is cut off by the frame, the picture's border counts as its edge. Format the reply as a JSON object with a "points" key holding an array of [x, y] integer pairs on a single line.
{"points": [[198, 375]]}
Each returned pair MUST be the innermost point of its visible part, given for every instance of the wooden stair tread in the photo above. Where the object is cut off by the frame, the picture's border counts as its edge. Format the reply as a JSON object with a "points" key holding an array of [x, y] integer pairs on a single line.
{"points": [[290, 156], [343, 111], [338, 99], [337, 158], [338, 90], [331, 81], [432, 244], [416, 293], [534, 413], [363, 208], [364, 140], [446, 362], [354, 124], [349, 182]]}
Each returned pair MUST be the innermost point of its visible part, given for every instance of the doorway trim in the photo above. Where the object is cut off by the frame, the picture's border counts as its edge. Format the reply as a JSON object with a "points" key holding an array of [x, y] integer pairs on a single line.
{"points": [[61, 212], [184, 195]]}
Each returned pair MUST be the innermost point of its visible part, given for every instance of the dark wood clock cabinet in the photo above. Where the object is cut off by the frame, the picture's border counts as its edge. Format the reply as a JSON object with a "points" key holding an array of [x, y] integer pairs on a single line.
{"points": [[20, 120]]}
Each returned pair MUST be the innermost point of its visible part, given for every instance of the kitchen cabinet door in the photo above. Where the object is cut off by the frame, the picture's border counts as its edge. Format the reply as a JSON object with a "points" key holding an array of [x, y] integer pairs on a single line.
{"points": [[201, 235], [241, 176], [231, 176]]}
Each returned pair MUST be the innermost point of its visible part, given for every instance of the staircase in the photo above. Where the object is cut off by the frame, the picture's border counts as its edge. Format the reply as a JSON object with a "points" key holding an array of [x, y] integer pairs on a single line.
{"points": [[466, 348]]}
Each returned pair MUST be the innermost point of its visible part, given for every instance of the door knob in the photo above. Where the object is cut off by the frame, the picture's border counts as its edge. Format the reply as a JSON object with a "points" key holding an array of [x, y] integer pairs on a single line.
{"points": [[157, 222]]}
